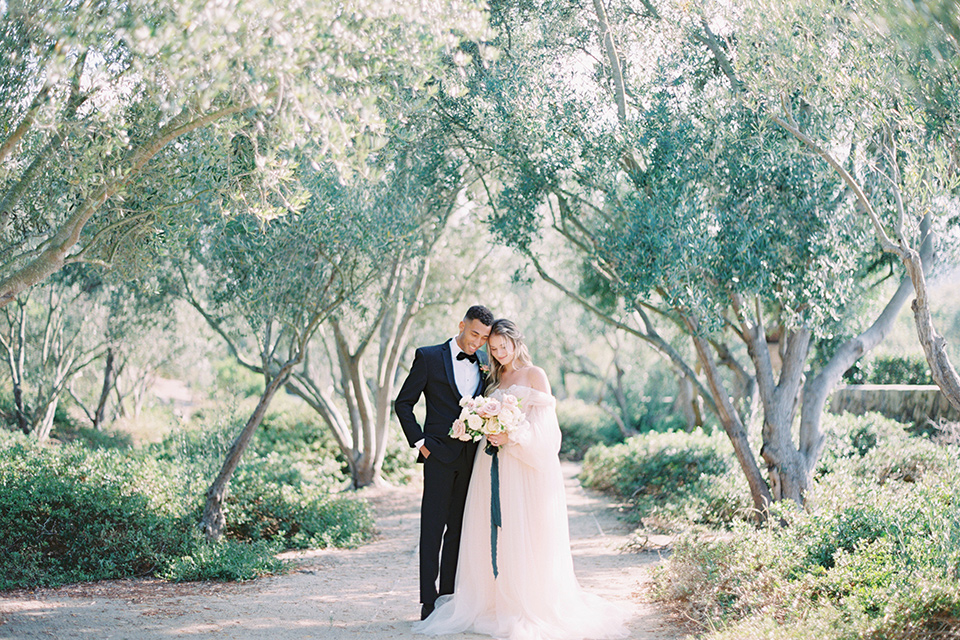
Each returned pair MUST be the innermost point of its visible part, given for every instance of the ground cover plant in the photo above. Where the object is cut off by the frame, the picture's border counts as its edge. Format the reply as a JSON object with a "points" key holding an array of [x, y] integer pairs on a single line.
{"points": [[875, 555], [73, 513]]}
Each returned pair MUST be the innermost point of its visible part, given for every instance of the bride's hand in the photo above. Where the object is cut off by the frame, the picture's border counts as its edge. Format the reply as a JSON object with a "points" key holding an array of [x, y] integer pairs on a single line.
{"points": [[498, 439]]}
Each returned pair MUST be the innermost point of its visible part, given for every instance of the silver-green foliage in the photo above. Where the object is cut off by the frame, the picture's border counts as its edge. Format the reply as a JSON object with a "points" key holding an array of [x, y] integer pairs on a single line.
{"points": [[70, 514], [97, 100], [874, 556]]}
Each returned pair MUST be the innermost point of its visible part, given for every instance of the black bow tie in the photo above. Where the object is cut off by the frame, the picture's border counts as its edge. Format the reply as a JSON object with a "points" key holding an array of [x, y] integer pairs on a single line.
{"points": [[472, 357]]}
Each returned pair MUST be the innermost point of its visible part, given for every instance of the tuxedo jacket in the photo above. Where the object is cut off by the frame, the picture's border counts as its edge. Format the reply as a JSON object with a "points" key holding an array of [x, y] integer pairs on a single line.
{"points": [[432, 377]]}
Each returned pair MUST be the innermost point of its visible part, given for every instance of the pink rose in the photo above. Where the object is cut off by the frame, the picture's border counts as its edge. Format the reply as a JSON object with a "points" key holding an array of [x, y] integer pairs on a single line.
{"points": [[489, 409], [459, 430]]}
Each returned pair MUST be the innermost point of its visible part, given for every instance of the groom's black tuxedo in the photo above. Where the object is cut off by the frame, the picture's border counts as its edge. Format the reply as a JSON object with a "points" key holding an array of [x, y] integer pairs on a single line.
{"points": [[432, 376], [446, 472]]}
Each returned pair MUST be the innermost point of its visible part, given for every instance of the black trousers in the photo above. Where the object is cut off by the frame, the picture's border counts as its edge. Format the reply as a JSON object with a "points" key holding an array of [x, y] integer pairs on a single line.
{"points": [[441, 518]]}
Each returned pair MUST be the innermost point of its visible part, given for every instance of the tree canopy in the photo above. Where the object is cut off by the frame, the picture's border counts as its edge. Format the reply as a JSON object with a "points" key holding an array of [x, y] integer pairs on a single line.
{"points": [[96, 99]]}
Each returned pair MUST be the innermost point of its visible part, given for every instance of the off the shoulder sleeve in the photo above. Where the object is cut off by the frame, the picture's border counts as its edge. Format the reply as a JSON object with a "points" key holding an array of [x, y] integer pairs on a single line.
{"points": [[537, 443]]}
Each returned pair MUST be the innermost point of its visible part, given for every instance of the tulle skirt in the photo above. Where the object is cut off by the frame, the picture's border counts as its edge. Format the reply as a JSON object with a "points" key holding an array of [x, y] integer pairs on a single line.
{"points": [[535, 595]]}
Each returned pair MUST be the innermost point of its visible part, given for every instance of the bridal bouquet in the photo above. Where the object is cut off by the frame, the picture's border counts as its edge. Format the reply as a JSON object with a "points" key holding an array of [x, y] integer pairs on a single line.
{"points": [[482, 416]]}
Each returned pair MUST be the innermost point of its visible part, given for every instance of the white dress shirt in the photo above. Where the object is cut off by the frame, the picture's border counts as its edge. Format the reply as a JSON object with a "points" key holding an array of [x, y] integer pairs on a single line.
{"points": [[466, 374]]}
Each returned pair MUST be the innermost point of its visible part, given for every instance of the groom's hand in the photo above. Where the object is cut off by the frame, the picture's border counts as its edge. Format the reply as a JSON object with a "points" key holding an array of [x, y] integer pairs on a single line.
{"points": [[425, 451]]}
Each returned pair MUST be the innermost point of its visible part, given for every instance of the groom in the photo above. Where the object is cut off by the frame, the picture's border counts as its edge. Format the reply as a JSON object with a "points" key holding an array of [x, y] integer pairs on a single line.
{"points": [[443, 374]]}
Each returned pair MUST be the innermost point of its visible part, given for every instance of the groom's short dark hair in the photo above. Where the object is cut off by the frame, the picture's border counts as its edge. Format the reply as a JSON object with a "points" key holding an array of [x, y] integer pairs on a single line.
{"points": [[479, 312]]}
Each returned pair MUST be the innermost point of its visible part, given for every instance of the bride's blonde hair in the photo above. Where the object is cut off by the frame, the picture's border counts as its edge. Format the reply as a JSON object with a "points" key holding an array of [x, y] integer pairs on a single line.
{"points": [[509, 331]]}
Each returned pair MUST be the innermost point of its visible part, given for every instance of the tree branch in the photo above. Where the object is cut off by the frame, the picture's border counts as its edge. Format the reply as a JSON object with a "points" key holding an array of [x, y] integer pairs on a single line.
{"points": [[850, 181], [53, 255], [28, 119], [652, 338], [614, 58]]}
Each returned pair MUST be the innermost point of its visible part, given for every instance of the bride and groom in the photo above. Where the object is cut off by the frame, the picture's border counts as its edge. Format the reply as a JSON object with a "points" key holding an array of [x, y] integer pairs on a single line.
{"points": [[514, 581]]}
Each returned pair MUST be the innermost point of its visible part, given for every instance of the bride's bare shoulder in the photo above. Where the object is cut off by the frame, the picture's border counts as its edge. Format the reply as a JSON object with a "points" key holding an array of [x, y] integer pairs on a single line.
{"points": [[536, 378]]}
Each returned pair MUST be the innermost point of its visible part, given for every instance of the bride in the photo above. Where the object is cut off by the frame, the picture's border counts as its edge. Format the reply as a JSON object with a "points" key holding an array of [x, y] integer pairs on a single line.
{"points": [[535, 594]]}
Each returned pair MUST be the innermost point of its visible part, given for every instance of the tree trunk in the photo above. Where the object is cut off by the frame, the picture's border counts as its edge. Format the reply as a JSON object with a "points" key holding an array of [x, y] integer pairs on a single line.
{"points": [[368, 474], [344, 358], [689, 403], [16, 354], [384, 400], [745, 392], [300, 385], [613, 57], [625, 419], [934, 345], [108, 377], [732, 425], [786, 470], [22, 422], [819, 388], [44, 426], [213, 521], [370, 413]]}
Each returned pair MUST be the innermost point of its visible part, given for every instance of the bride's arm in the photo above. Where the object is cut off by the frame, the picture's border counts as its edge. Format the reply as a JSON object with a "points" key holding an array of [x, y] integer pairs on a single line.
{"points": [[538, 443], [536, 379]]}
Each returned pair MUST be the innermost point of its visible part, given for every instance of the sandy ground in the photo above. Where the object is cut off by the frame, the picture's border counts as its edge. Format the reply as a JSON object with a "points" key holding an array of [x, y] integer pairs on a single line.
{"points": [[369, 592]]}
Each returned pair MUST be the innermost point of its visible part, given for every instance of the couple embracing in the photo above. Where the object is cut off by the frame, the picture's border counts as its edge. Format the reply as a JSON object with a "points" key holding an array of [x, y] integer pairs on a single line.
{"points": [[513, 581]]}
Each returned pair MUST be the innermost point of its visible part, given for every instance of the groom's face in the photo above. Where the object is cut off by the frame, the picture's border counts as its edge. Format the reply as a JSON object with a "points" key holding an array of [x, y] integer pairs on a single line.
{"points": [[473, 335]]}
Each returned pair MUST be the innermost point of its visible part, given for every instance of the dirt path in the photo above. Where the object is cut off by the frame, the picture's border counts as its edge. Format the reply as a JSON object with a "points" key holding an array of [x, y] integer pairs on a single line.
{"points": [[364, 593]]}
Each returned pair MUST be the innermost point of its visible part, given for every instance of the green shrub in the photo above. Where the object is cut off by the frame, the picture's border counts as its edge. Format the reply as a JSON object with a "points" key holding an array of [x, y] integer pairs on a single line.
{"points": [[271, 500], [91, 438], [844, 531], [224, 560], [233, 378], [282, 490], [69, 513], [676, 476], [899, 370], [583, 425], [875, 555], [879, 449]]}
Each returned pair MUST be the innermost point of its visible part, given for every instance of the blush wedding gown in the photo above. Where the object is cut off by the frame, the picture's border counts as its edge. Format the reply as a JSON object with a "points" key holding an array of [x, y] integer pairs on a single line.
{"points": [[535, 595]]}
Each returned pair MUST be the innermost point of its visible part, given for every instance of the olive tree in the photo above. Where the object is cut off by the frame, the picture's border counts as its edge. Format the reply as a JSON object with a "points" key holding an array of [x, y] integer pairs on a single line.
{"points": [[97, 97], [869, 89], [46, 342], [267, 286], [614, 127], [424, 181]]}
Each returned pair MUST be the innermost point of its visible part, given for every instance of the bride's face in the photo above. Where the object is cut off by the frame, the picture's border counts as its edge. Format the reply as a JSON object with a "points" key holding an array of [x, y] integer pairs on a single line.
{"points": [[502, 349]]}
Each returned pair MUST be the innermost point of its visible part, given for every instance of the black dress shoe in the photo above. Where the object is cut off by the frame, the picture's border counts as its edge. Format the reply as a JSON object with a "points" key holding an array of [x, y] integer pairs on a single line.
{"points": [[425, 611]]}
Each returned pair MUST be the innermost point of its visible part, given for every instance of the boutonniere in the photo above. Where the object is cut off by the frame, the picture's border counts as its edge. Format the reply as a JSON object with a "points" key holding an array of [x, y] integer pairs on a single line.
{"points": [[484, 368]]}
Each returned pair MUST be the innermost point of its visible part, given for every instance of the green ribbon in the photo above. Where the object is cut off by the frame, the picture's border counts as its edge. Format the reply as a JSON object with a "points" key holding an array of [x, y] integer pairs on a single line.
{"points": [[495, 521]]}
